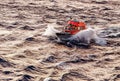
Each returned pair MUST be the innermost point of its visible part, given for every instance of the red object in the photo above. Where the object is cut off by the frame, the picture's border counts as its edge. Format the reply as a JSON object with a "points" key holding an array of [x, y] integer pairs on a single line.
{"points": [[74, 26]]}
